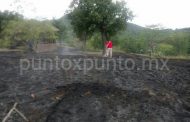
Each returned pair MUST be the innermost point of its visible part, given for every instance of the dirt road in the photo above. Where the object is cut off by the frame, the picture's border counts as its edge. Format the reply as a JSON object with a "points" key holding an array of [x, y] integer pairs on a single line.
{"points": [[96, 95]]}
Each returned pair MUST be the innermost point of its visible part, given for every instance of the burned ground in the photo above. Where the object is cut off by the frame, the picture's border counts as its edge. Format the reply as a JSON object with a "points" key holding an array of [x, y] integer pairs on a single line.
{"points": [[97, 96]]}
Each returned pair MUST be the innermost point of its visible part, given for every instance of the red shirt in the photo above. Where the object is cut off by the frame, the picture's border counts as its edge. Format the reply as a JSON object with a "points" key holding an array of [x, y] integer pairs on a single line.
{"points": [[109, 44]]}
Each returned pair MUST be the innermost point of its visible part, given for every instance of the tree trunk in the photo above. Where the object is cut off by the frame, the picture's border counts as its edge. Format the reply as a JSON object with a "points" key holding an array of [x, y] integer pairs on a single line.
{"points": [[107, 36], [85, 37], [103, 43]]}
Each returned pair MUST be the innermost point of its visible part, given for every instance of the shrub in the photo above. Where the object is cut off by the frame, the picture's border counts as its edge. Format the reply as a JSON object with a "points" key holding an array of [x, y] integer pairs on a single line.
{"points": [[5, 43], [165, 49]]}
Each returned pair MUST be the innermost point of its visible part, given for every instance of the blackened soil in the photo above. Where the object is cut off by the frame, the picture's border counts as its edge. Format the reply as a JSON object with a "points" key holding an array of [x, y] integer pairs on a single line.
{"points": [[96, 96]]}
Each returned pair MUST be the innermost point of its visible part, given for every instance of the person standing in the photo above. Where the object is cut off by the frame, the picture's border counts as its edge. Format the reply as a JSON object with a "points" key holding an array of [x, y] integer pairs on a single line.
{"points": [[109, 49]]}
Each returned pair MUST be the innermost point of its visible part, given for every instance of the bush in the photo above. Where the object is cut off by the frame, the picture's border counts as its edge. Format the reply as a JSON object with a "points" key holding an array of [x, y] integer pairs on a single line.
{"points": [[5, 43], [18, 33], [189, 47], [95, 42], [165, 49], [133, 46]]}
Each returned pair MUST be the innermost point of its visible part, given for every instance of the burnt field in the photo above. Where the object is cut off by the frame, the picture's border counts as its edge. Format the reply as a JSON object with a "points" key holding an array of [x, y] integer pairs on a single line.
{"points": [[96, 95]]}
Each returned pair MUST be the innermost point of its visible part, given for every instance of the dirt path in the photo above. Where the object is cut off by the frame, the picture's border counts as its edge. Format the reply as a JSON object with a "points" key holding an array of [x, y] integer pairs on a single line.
{"points": [[96, 96]]}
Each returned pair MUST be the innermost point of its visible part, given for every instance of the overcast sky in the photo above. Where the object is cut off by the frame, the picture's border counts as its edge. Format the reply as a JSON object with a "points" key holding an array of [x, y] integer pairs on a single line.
{"points": [[169, 13]]}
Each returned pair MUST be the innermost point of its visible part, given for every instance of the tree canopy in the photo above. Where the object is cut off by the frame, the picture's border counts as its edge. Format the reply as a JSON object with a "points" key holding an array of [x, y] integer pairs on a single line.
{"points": [[20, 32], [6, 16], [88, 16]]}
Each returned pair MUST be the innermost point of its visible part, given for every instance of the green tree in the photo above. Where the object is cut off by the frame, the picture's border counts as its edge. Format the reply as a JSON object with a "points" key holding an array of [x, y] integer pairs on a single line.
{"points": [[81, 19], [7, 16], [88, 16], [188, 44], [179, 40], [19, 33], [60, 24]]}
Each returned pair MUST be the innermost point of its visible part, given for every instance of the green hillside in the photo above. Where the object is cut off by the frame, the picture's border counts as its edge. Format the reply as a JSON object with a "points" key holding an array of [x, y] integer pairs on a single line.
{"points": [[137, 39]]}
